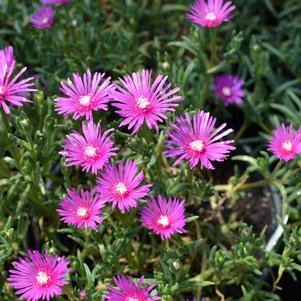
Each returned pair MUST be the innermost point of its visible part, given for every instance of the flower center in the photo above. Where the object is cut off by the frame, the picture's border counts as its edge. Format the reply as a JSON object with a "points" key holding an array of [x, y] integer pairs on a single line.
{"points": [[1, 90], [42, 277], [197, 145], [163, 221], [44, 20], [85, 100], [90, 151], [132, 299], [211, 17], [121, 189], [143, 103], [81, 212], [227, 91], [287, 145]]}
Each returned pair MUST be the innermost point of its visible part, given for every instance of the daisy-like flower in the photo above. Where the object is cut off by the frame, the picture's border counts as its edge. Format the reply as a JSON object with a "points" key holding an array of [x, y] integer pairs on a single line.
{"points": [[39, 277], [46, 2], [285, 143], [129, 291], [210, 13], [84, 95], [164, 217], [197, 140], [82, 210], [139, 100], [121, 185], [230, 89], [11, 88], [43, 18], [91, 151]]}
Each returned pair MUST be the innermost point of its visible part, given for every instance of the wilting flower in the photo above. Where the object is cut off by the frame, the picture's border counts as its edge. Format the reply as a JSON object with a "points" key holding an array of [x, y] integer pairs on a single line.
{"points": [[164, 217], [83, 294], [285, 142], [39, 277], [121, 185], [43, 18], [211, 13], [82, 210], [11, 90], [139, 100], [128, 291], [84, 95], [198, 141], [45, 2], [230, 89], [91, 151]]}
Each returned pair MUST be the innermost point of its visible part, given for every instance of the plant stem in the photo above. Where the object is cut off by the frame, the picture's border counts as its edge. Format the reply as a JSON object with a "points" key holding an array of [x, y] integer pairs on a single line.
{"points": [[213, 44]]}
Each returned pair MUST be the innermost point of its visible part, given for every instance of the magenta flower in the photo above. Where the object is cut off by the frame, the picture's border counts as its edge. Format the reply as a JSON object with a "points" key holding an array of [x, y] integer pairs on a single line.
{"points": [[139, 100], [198, 141], [164, 217], [11, 90], [121, 185], [43, 18], [91, 151], [128, 291], [230, 89], [46, 2], [82, 210], [211, 13], [39, 277], [83, 96], [285, 143]]}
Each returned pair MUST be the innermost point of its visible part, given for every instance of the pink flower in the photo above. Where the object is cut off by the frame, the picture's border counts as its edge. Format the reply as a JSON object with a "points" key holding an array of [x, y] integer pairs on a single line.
{"points": [[39, 277], [43, 18], [91, 151], [46, 2], [83, 96], [198, 141], [12, 90], [128, 291], [211, 13], [230, 89], [164, 217], [139, 100], [285, 143], [83, 210], [121, 185]]}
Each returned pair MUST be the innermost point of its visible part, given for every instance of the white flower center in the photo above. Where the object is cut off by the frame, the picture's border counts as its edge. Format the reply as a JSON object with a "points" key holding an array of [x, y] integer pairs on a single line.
{"points": [[143, 103], [197, 145], [211, 17], [163, 220], [227, 91], [90, 151], [287, 145], [81, 212], [132, 299], [42, 278], [85, 100], [44, 20], [1, 90], [121, 188]]}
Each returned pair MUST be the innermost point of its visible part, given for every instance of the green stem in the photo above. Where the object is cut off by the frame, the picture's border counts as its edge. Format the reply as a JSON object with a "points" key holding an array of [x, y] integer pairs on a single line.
{"points": [[213, 46]]}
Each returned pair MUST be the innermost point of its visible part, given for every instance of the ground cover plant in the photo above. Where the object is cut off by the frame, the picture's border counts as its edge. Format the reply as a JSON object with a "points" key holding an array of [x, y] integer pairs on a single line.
{"points": [[149, 150]]}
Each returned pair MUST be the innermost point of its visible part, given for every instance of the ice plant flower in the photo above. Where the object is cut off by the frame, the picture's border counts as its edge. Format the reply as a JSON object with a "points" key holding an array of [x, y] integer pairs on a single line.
{"points": [[121, 185], [230, 89], [210, 13], [127, 290], [285, 143], [82, 210], [197, 140], [138, 100], [164, 217], [43, 18], [91, 151], [46, 2], [39, 277], [84, 95], [11, 88]]}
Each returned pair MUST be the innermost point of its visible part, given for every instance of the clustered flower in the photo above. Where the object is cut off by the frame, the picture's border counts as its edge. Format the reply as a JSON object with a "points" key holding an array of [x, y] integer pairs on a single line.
{"points": [[139, 100]]}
